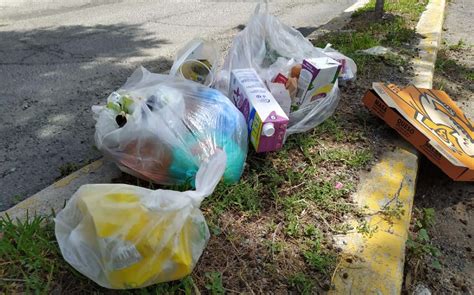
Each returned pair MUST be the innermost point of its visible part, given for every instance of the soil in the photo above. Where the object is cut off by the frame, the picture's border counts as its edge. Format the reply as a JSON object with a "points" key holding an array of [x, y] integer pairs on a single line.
{"points": [[452, 234], [453, 202]]}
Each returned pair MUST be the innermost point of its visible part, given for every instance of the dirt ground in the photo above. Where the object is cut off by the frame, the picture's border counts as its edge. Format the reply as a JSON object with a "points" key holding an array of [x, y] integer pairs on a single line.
{"points": [[453, 202], [451, 234]]}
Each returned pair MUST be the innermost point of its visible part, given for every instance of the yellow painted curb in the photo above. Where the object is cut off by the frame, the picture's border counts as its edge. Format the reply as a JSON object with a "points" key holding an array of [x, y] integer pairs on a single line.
{"points": [[373, 256]]}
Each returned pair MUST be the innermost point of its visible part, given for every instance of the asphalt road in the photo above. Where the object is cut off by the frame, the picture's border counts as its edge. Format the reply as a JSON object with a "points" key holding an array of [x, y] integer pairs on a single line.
{"points": [[58, 61]]}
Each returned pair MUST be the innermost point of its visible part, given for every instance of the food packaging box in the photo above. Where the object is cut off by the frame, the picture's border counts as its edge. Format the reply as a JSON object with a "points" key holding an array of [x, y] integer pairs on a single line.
{"points": [[429, 120], [266, 120], [317, 78], [280, 78]]}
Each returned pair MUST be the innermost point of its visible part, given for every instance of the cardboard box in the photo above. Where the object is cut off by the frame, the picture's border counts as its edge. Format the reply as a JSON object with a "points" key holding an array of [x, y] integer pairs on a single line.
{"points": [[317, 78], [430, 121], [266, 119]]}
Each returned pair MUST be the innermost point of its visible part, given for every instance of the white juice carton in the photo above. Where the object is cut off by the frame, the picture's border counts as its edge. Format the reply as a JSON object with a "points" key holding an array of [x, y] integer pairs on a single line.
{"points": [[266, 120], [317, 78]]}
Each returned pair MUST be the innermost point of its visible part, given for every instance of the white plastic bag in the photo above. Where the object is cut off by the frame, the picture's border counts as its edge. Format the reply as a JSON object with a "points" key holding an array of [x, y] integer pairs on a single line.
{"points": [[171, 126], [269, 46], [122, 236]]}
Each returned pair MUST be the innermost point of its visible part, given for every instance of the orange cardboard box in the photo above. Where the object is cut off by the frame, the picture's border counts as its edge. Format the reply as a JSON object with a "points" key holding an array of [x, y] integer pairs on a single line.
{"points": [[430, 121]]}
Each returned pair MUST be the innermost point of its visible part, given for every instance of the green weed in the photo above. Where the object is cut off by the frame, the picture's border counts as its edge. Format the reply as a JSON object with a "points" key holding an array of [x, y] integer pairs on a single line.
{"points": [[312, 231], [393, 209], [410, 8], [244, 197], [427, 219], [450, 68], [317, 258], [349, 42], [275, 247], [366, 229], [214, 282], [29, 254], [302, 283], [68, 168], [458, 46], [352, 158], [17, 198], [393, 32], [331, 126], [184, 286], [292, 228], [419, 243]]}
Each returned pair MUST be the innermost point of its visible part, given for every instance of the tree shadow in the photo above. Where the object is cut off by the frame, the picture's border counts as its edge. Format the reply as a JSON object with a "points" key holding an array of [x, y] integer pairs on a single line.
{"points": [[335, 23], [50, 79]]}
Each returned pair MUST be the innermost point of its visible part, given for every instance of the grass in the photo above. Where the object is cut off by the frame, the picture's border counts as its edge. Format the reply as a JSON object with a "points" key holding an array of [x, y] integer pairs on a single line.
{"points": [[302, 283], [396, 32], [29, 254], [452, 74], [458, 46], [355, 159], [410, 9], [271, 232], [242, 197], [284, 187], [31, 263], [319, 258], [449, 67], [214, 285], [419, 246], [67, 169]]}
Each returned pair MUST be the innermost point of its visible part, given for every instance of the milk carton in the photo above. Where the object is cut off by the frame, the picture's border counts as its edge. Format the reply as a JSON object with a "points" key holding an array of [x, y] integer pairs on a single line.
{"points": [[317, 78], [266, 120]]}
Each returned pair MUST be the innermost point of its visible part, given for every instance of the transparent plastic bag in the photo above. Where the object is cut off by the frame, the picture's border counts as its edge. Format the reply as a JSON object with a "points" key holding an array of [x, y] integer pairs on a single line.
{"points": [[197, 61], [171, 126], [349, 67], [271, 47], [122, 236]]}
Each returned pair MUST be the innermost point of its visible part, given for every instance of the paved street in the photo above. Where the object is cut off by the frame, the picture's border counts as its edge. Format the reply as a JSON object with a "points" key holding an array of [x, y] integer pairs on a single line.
{"points": [[55, 62]]}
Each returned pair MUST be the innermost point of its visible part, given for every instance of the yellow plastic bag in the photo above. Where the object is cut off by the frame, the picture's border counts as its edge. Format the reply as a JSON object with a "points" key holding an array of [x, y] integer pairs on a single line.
{"points": [[122, 236]]}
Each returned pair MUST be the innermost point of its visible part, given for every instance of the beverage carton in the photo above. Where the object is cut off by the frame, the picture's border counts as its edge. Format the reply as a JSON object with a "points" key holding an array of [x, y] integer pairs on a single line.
{"points": [[266, 120], [317, 79]]}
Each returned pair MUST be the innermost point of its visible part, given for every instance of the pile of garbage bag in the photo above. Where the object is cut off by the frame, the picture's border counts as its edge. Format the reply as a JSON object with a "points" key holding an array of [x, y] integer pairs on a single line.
{"points": [[123, 236], [192, 126], [161, 128], [271, 48]]}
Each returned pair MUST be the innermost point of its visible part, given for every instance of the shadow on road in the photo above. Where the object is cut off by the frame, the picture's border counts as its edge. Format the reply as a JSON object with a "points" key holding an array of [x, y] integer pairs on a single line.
{"points": [[50, 78]]}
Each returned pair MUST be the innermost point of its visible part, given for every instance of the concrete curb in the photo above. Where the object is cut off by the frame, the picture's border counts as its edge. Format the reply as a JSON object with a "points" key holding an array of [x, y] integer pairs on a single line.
{"points": [[373, 263], [430, 26], [54, 197]]}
